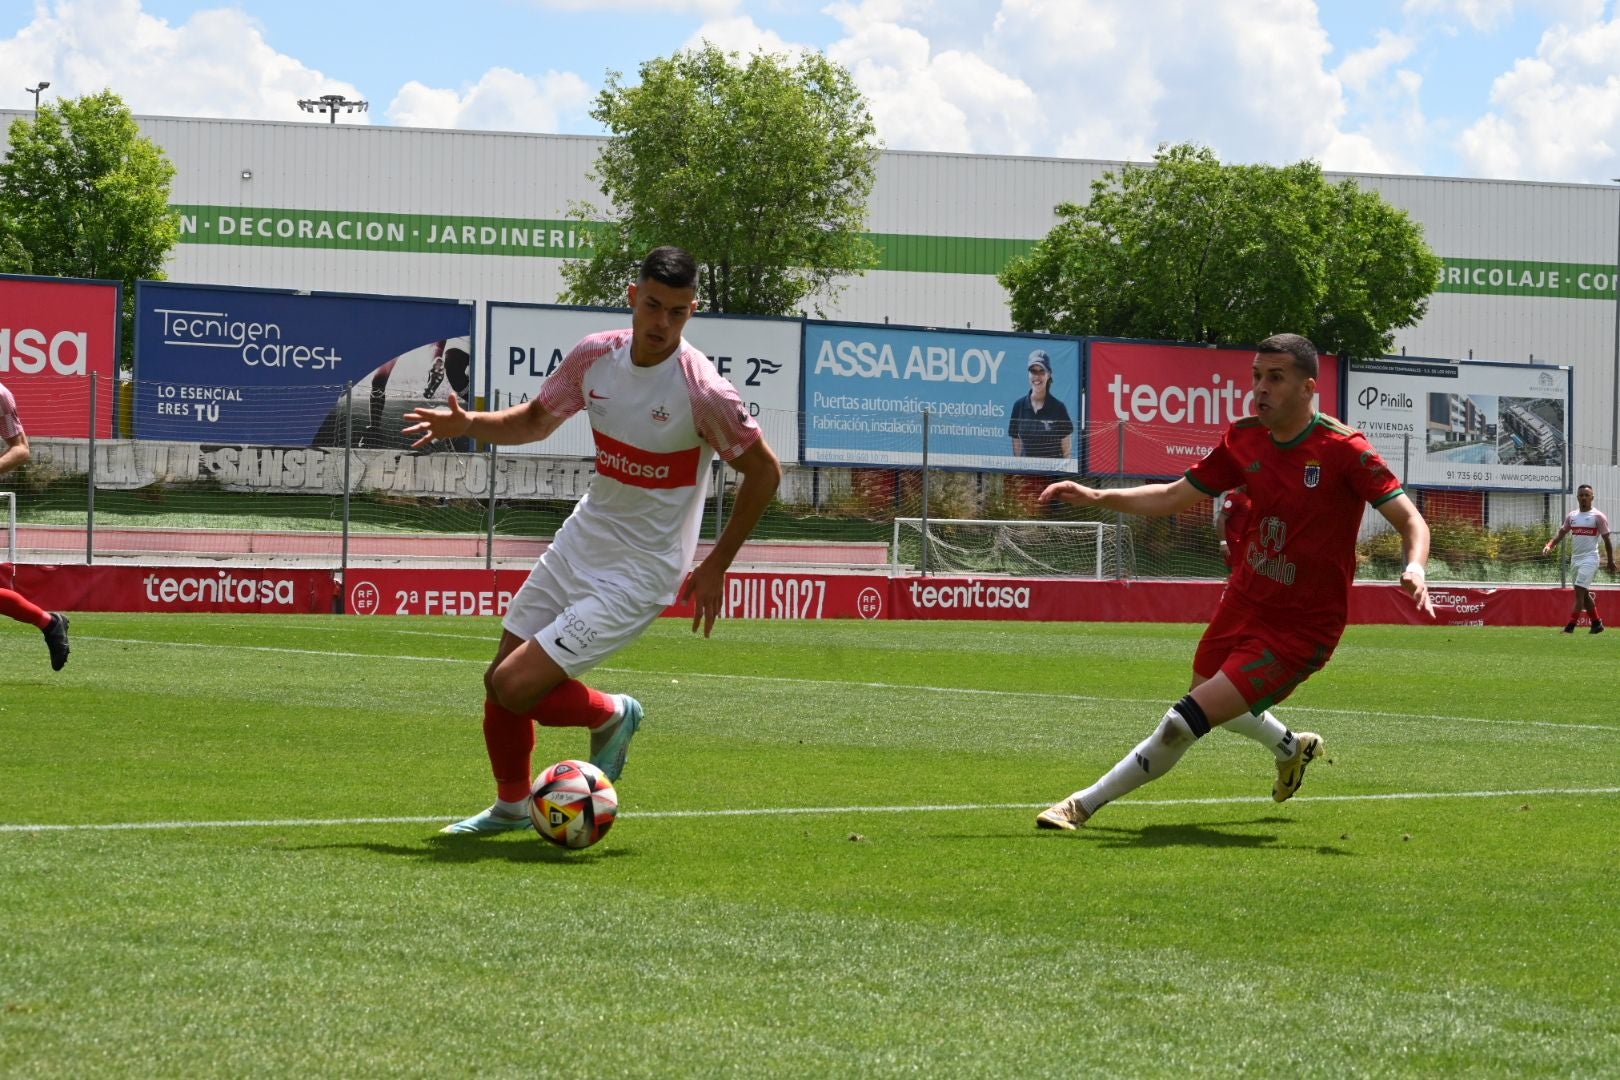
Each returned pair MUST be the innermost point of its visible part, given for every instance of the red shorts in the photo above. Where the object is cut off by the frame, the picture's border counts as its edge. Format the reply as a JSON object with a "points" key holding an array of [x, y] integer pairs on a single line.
{"points": [[1264, 661]]}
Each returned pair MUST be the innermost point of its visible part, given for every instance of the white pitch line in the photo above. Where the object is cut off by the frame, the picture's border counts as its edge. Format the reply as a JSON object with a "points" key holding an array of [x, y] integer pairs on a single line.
{"points": [[780, 811], [1091, 699]]}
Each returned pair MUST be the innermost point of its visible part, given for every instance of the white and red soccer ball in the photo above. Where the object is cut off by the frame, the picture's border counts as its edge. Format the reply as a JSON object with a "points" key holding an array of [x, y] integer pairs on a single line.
{"points": [[574, 804]]}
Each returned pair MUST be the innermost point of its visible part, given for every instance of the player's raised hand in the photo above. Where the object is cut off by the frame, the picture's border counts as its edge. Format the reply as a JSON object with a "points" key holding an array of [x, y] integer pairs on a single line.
{"points": [[430, 424], [1070, 492]]}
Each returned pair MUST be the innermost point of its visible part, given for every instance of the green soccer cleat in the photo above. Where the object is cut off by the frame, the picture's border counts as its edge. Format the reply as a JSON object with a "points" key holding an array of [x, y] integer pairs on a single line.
{"points": [[611, 742], [487, 823], [1291, 773]]}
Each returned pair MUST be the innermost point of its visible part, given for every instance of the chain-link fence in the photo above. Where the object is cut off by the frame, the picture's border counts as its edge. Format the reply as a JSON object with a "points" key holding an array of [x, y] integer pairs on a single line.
{"points": [[359, 494]]}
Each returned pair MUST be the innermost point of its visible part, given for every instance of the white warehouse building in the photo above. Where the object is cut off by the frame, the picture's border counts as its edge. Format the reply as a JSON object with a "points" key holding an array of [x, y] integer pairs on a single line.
{"points": [[1529, 267]]}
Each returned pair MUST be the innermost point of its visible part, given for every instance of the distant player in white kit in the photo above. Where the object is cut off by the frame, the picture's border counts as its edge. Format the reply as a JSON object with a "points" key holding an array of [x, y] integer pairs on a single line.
{"points": [[659, 411], [1585, 526]]}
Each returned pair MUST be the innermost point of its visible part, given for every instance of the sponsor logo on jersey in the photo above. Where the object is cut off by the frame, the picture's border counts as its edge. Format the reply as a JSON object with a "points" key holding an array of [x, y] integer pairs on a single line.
{"points": [[1253, 466], [645, 468], [598, 397]]}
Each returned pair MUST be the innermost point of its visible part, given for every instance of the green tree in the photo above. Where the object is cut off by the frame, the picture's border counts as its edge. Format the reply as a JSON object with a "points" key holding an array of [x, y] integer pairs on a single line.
{"points": [[13, 256], [760, 169], [1192, 250], [87, 195]]}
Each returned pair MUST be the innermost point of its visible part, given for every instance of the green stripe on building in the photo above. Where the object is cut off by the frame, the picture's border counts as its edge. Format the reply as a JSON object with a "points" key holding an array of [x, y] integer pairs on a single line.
{"points": [[545, 238]]}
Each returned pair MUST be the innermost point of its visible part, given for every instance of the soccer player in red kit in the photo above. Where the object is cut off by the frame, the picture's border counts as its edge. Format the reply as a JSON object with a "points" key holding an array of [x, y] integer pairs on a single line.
{"points": [[659, 412], [1286, 603]]}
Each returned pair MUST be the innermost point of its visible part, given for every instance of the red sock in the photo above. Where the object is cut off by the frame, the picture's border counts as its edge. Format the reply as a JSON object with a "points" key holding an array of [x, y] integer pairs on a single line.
{"points": [[509, 738], [573, 704], [15, 605]]}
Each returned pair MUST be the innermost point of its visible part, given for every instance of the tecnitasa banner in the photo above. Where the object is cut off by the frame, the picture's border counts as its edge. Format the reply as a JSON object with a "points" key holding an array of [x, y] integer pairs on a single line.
{"points": [[1154, 410], [57, 335]]}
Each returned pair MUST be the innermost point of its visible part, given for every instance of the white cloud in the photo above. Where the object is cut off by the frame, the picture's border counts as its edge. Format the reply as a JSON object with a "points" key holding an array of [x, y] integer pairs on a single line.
{"points": [[1554, 116], [502, 100], [1361, 67], [923, 99], [1479, 14], [740, 34], [217, 63]]}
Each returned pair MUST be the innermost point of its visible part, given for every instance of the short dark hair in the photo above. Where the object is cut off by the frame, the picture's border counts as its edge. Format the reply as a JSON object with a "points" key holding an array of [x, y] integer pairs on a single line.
{"points": [[1303, 352], [671, 266], [1588, 487]]}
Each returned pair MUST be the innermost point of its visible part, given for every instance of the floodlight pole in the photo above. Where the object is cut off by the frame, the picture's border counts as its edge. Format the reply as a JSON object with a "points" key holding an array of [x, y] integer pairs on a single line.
{"points": [[36, 91], [330, 104]]}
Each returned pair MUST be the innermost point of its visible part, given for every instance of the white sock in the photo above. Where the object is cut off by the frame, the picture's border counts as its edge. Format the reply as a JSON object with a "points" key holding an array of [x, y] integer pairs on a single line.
{"points": [[1266, 730], [512, 809], [1152, 758]]}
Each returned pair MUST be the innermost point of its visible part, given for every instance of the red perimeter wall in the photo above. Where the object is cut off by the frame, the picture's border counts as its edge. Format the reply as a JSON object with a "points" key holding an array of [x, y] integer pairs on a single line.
{"points": [[748, 595]]}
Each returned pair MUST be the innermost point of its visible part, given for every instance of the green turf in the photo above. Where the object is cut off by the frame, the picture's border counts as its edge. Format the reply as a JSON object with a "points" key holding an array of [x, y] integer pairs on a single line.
{"points": [[1193, 929]]}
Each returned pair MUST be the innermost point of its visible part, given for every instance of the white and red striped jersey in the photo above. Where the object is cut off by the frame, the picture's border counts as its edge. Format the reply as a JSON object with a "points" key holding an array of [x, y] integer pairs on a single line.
{"points": [[10, 422], [656, 431], [1585, 526]]}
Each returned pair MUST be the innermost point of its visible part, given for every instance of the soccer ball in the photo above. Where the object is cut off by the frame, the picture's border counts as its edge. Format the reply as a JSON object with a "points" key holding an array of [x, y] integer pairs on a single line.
{"points": [[574, 804]]}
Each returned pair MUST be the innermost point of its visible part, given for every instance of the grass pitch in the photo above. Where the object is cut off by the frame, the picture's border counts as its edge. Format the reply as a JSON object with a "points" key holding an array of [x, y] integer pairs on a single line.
{"points": [[219, 852]]}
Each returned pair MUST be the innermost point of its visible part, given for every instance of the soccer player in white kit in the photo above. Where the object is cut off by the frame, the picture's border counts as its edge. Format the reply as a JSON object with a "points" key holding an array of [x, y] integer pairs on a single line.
{"points": [[659, 412], [1585, 526]]}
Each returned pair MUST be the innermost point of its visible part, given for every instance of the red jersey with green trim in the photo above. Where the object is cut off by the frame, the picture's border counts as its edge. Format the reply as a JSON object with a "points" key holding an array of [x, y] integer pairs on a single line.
{"points": [[1299, 553]]}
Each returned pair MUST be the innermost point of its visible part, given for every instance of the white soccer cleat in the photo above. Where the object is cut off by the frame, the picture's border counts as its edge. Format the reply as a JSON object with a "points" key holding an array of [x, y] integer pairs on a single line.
{"points": [[1291, 773], [1068, 815]]}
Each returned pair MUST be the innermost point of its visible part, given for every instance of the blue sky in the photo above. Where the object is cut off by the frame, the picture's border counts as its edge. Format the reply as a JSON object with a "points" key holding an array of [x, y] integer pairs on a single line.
{"points": [[1519, 89]]}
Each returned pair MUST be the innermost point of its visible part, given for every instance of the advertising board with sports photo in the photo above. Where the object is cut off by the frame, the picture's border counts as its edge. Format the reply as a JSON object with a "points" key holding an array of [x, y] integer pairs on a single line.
{"points": [[995, 402], [225, 365]]}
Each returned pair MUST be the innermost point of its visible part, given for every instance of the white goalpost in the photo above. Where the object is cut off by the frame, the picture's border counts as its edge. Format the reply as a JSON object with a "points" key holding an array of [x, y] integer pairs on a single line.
{"points": [[1094, 550]]}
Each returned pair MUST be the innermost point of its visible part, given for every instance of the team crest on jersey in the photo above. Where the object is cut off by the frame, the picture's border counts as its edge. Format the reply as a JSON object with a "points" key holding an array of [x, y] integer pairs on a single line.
{"points": [[1313, 473], [660, 414]]}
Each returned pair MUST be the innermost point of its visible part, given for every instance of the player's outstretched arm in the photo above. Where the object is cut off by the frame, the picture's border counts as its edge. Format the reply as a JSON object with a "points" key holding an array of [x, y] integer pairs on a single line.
{"points": [[1557, 536], [1401, 513], [1146, 500], [525, 423], [705, 586]]}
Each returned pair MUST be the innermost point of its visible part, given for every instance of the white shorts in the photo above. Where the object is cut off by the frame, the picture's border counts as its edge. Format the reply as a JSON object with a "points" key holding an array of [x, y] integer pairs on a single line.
{"points": [[578, 621], [1584, 570]]}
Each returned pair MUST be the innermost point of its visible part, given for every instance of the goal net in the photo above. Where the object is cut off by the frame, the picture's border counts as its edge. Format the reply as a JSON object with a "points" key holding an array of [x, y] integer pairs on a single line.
{"points": [[1076, 549]]}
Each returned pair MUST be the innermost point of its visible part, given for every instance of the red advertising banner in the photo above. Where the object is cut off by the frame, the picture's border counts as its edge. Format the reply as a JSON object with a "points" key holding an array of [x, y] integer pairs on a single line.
{"points": [[1155, 410], [55, 333], [175, 588], [431, 592], [413, 591]]}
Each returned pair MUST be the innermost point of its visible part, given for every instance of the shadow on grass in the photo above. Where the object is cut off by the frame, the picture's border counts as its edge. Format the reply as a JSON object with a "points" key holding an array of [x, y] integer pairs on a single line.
{"points": [[1208, 835], [472, 849]]}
